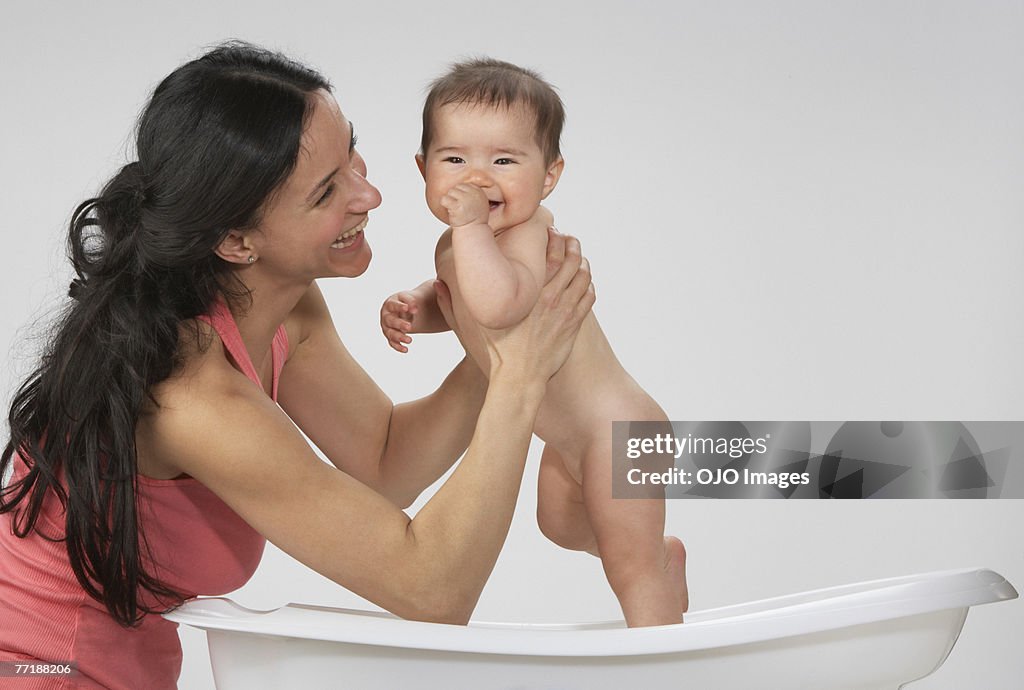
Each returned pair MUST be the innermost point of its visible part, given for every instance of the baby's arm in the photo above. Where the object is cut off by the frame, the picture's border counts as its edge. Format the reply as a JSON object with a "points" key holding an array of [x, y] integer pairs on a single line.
{"points": [[411, 311], [499, 278]]}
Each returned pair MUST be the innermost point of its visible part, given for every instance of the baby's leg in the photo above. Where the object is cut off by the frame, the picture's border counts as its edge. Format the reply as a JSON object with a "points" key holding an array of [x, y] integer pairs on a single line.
{"points": [[646, 570], [561, 515]]}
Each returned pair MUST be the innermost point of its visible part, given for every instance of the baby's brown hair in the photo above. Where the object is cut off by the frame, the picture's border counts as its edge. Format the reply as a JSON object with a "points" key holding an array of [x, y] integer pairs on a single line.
{"points": [[486, 81]]}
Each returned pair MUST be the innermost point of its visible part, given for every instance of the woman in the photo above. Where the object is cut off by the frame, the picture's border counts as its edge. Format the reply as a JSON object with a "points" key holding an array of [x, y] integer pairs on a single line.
{"points": [[143, 444]]}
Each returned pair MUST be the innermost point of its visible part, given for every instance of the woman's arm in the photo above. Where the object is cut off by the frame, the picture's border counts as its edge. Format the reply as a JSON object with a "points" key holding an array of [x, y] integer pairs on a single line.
{"points": [[239, 444], [397, 450], [223, 431]]}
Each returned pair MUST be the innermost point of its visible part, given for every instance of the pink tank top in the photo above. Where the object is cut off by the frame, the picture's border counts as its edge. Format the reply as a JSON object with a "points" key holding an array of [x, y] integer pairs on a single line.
{"points": [[198, 545]]}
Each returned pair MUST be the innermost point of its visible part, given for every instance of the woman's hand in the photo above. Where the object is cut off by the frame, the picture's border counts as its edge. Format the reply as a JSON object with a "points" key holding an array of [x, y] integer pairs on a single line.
{"points": [[538, 346]]}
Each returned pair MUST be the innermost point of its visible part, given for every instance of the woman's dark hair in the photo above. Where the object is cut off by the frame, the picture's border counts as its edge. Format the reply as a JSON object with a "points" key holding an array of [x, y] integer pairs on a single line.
{"points": [[217, 137]]}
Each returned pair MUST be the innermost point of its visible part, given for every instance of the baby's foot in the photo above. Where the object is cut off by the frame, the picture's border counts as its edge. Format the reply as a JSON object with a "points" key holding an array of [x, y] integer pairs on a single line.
{"points": [[675, 567]]}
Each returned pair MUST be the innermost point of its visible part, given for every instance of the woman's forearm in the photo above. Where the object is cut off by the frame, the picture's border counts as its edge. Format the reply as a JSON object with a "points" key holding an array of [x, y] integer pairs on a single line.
{"points": [[428, 435], [460, 532], [448, 550]]}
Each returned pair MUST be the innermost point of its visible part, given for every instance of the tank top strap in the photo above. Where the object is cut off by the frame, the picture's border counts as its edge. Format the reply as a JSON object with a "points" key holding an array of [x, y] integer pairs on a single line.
{"points": [[278, 355], [223, 321]]}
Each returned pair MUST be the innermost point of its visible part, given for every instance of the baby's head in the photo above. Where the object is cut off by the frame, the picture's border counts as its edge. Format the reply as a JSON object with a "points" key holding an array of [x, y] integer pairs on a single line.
{"points": [[497, 84], [495, 125]]}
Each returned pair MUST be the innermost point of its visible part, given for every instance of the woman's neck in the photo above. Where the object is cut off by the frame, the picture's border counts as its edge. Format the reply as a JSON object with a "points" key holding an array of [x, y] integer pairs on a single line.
{"points": [[270, 306]]}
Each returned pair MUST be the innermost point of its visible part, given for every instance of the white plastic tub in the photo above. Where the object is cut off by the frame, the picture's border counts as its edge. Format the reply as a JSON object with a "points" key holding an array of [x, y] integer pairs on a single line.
{"points": [[878, 634]]}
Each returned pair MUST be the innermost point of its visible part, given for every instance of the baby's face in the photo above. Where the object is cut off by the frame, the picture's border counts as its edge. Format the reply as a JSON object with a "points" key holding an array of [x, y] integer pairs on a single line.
{"points": [[493, 148]]}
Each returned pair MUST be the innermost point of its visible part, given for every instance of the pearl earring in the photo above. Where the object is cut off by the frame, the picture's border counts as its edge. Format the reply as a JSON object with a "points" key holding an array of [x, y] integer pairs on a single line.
{"points": [[252, 259]]}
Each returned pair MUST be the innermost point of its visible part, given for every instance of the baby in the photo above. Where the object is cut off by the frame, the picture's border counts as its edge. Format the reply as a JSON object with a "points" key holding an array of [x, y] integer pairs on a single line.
{"points": [[489, 155]]}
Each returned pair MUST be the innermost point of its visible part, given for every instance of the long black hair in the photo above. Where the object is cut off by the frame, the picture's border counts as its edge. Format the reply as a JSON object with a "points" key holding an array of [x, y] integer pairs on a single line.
{"points": [[217, 137]]}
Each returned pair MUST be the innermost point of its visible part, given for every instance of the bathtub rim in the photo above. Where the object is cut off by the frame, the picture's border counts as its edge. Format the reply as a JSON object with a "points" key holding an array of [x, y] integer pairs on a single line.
{"points": [[789, 615]]}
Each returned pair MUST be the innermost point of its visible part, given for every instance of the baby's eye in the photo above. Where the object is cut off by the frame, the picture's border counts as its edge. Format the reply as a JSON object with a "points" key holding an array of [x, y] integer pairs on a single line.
{"points": [[453, 159], [504, 161]]}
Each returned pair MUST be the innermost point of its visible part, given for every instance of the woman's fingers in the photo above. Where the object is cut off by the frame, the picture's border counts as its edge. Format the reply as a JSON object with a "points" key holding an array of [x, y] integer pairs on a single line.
{"points": [[571, 283], [569, 295], [577, 288], [578, 297], [586, 303], [570, 265], [556, 253]]}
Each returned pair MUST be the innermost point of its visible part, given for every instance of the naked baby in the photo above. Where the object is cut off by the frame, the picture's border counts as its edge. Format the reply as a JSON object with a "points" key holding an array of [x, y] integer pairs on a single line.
{"points": [[489, 156]]}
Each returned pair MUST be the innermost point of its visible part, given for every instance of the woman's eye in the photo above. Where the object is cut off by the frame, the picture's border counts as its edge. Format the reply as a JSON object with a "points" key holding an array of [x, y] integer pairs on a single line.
{"points": [[504, 161], [453, 159], [326, 195]]}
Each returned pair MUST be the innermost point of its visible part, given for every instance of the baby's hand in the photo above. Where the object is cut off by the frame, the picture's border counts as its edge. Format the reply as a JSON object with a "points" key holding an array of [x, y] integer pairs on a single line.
{"points": [[396, 319], [466, 204]]}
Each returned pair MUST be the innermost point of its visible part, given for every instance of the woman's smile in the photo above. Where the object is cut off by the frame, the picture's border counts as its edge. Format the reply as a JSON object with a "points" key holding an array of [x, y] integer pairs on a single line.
{"points": [[350, 238]]}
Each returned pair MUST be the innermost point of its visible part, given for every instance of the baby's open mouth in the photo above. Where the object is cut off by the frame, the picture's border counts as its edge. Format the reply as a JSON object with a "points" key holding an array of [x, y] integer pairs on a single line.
{"points": [[495, 204]]}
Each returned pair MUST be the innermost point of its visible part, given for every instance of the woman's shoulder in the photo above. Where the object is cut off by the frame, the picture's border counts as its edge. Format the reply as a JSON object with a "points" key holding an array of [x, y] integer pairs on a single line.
{"points": [[201, 382], [204, 381], [203, 370], [202, 367]]}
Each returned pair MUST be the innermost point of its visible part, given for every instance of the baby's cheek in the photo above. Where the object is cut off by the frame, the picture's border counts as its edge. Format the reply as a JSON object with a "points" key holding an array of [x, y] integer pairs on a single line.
{"points": [[519, 213]]}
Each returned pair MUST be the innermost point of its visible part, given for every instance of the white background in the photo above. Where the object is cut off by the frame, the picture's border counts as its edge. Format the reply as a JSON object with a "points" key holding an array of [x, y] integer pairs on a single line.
{"points": [[794, 210]]}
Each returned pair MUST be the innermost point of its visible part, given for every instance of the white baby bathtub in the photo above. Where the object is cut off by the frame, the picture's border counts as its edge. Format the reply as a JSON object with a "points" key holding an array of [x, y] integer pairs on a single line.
{"points": [[878, 634]]}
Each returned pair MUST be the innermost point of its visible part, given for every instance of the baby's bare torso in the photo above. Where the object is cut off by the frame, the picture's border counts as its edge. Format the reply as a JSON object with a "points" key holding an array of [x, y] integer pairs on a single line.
{"points": [[588, 393]]}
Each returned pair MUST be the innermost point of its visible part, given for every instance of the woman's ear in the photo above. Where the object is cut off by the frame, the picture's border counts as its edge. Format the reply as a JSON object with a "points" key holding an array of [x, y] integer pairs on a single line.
{"points": [[551, 178], [236, 248]]}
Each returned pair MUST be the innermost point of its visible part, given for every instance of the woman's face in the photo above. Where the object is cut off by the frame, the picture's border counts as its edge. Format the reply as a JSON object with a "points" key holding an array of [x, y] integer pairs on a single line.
{"points": [[313, 226]]}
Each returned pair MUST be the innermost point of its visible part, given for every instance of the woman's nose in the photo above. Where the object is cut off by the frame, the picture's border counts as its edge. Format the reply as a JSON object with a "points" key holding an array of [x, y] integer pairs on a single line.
{"points": [[367, 196]]}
